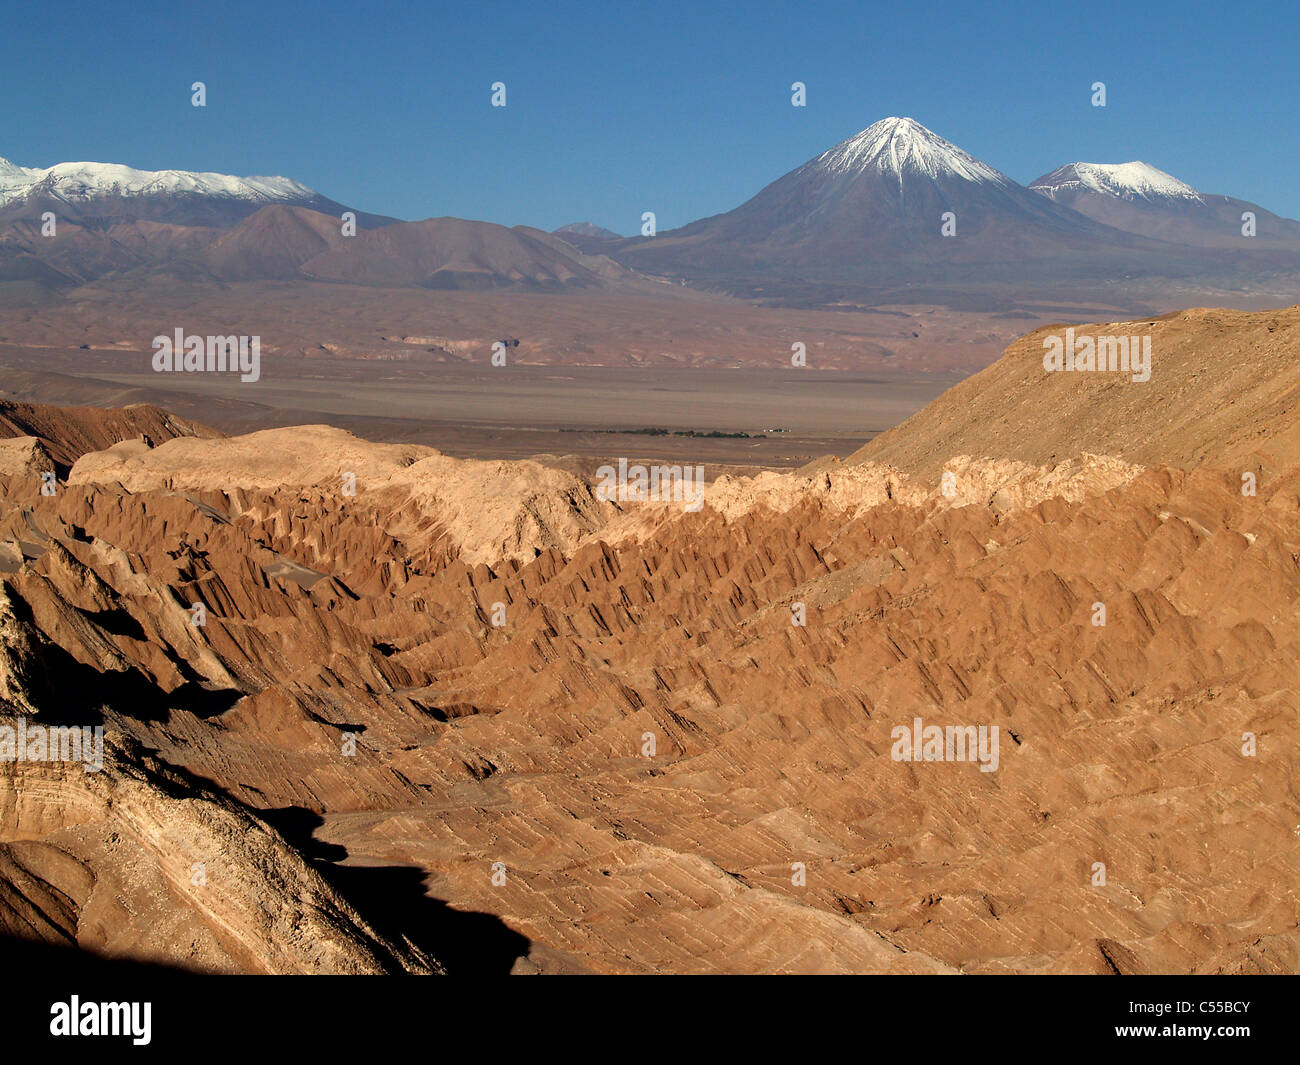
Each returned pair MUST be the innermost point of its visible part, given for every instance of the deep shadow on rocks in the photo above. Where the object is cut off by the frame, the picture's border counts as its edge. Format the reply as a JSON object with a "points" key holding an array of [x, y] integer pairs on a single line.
{"points": [[39, 961], [69, 692], [394, 901]]}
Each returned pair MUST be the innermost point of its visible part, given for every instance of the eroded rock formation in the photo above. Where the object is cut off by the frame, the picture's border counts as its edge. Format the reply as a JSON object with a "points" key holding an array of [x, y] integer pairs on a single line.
{"points": [[603, 725]]}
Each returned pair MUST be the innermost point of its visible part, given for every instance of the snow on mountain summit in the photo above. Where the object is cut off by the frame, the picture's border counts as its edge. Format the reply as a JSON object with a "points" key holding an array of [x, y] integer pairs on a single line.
{"points": [[80, 182], [14, 177], [1128, 181], [902, 146]]}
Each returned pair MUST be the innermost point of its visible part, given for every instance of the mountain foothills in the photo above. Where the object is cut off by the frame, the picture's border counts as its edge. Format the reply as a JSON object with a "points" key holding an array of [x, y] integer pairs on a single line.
{"points": [[474, 717], [893, 214]]}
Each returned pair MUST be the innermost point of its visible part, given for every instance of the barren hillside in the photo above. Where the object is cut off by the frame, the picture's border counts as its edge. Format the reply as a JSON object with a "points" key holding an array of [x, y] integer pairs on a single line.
{"points": [[1224, 389]]}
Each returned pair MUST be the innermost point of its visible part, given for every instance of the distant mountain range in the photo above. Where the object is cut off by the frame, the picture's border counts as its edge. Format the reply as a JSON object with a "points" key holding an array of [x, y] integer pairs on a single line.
{"points": [[437, 253], [113, 220], [893, 212]]}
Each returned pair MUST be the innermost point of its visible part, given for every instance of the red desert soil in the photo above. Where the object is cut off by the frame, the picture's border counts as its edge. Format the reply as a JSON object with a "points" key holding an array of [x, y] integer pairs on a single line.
{"points": [[648, 767]]}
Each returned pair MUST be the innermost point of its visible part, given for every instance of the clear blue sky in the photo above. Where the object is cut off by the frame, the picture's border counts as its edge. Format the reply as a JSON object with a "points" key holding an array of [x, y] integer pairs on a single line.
{"points": [[616, 107]]}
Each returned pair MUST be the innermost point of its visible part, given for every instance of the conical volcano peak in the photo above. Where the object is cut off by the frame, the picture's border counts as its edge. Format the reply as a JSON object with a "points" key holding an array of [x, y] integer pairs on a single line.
{"points": [[903, 146]]}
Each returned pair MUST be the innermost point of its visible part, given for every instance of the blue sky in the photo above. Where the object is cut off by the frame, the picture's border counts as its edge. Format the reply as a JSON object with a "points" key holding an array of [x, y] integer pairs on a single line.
{"points": [[615, 108]]}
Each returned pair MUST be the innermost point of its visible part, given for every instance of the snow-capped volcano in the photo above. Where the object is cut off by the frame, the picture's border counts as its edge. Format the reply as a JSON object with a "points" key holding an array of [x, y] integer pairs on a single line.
{"points": [[903, 147], [1137, 198], [1128, 181], [98, 194], [75, 182], [893, 204]]}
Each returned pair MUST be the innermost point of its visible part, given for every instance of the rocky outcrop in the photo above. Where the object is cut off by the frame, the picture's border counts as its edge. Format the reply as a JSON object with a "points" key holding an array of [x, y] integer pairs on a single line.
{"points": [[143, 861], [67, 433]]}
